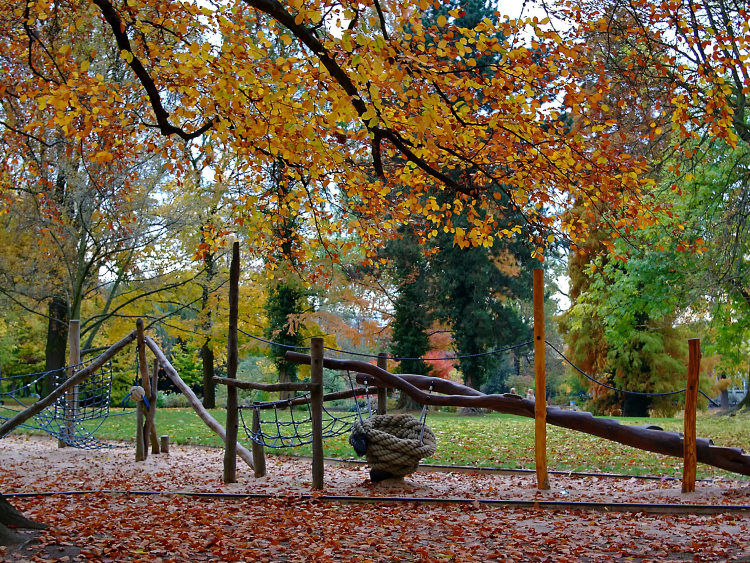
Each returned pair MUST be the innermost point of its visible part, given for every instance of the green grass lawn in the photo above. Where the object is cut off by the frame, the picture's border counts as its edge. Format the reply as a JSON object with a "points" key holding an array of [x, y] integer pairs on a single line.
{"points": [[494, 440]]}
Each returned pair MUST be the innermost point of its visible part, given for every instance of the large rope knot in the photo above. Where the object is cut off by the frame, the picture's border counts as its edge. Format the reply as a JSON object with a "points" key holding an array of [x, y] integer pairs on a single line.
{"points": [[393, 445]]}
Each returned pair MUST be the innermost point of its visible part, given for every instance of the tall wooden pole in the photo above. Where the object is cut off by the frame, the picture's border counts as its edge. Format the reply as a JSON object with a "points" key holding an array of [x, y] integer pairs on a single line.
{"points": [[71, 397], [540, 384], [690, 456], [316, 406], [382, 391], [142, 431], [230, 451], [155, 444]]}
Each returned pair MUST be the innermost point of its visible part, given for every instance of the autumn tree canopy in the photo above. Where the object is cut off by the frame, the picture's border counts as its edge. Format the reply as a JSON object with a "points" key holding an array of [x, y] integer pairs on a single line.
{"points": [[373, 113]]}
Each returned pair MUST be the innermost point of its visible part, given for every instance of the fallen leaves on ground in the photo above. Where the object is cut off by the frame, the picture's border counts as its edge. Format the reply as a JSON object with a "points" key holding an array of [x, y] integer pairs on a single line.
{"points": [[168, 527]]}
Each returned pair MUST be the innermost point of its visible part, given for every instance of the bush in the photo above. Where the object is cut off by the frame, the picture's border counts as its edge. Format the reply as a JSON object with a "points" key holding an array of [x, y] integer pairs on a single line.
{"points": [[172, 401]]}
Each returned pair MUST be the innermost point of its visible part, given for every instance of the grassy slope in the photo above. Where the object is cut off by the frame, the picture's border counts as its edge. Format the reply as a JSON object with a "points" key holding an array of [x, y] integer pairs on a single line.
{"points": [[494, 440]]}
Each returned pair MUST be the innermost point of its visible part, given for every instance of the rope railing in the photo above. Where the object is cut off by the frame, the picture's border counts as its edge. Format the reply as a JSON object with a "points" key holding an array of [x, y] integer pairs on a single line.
{"points": [[625, 391], [394, 358]]}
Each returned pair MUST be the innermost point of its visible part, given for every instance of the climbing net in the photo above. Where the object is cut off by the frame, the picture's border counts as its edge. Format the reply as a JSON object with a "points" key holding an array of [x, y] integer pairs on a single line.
{"points": [[74, 417], [277, 432]]}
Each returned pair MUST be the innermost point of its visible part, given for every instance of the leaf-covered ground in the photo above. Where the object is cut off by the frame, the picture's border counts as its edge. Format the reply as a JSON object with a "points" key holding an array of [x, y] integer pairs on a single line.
{"points": [[123, 527]]}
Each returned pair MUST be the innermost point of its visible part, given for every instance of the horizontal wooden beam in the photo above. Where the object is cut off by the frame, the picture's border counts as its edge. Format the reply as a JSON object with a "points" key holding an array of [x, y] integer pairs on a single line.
{"points": [[649, 439], [349, 393], [297, 386]]}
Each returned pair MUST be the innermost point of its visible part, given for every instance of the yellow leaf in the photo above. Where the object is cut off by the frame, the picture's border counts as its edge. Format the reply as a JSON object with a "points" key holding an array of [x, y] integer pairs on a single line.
{"points": [[86, 64], [442, 21]]}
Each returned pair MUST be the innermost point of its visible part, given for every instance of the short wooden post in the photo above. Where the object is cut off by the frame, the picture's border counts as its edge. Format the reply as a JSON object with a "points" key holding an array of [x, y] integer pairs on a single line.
{"points": [[259, 454], [540, 384], [382, 391], [690, 456], [230, 451], [316, 407], [71, 397], [155, 447], [164, 444]]}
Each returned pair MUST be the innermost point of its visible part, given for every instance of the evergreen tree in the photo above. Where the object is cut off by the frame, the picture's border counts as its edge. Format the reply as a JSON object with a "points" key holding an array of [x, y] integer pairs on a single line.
{"points": [[286, 297], [284, 306], [412, 315], [477, 293]]}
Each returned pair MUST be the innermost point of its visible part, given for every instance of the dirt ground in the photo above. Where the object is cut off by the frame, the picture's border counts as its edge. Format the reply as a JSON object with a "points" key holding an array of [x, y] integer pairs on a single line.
{"points": [[168, 527]]}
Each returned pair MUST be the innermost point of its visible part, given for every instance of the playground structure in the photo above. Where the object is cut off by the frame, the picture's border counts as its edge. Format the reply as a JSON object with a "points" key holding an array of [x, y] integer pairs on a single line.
{"points": [[441, 393]]}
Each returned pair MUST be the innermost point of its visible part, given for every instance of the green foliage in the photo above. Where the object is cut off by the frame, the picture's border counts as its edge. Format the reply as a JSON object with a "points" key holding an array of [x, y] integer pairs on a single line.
{"points": [[478, 294], [284, 307], [21, 344], [627, 318], [185, 359], [412, 315]]}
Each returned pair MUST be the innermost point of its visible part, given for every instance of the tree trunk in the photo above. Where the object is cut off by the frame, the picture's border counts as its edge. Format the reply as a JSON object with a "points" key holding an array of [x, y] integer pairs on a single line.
{"points": [[57, 337], [636, 406], [209, 388], [725, 398], [744, 403], [11, 517], [406, 403], [284, 378], [207, 351]]}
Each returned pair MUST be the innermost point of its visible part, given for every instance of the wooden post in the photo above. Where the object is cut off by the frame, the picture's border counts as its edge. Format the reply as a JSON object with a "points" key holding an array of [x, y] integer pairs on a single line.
{"points": [[71, 397], [143, 430], [382, 391], [690, 457], [259, 454], [316, 407], [230, 450], [155, 449], [165, 444], [540, 384]]}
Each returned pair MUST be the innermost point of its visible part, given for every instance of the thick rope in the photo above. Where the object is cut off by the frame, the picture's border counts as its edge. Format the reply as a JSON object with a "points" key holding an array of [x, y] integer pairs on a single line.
{"points": [[393, 444]]}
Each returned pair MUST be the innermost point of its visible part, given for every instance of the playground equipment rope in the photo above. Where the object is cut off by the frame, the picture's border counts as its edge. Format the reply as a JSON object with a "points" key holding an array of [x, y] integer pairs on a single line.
{"points": [[64, 419], [395, 358], [301, 428], [491, 352], [642, 394], [395, 444]]}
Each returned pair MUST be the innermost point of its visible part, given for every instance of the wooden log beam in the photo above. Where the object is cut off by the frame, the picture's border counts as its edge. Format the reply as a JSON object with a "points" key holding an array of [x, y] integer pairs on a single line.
{"points": [[657, 441], [439, 385], [78, 378], [210, 421], [143, 433], [271, 387], [304, 400]]}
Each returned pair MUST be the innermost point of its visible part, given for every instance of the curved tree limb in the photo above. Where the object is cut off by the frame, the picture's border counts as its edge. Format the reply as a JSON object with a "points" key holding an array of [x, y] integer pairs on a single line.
{"points": [[648, 438]]}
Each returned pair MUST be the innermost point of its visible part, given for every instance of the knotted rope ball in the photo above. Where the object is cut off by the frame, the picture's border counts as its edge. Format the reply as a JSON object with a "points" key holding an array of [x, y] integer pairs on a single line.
{"points": [[393, 446]]}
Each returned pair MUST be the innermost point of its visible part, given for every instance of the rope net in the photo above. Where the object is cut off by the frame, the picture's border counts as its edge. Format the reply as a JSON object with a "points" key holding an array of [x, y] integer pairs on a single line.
{"points": [[297, 430], [74, 417]]}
